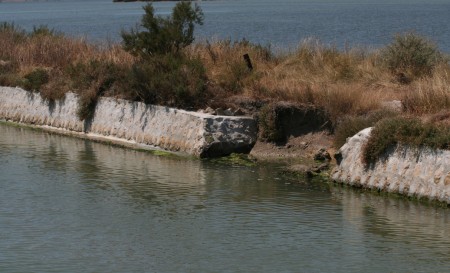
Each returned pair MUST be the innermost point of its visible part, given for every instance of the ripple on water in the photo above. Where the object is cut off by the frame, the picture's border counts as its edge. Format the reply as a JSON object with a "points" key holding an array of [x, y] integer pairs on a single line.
{"points": [[70, 205]]}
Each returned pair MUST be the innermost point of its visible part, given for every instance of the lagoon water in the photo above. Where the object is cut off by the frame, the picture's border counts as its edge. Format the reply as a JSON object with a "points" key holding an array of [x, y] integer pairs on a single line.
{"points": [[72, 205], [280, 23]]}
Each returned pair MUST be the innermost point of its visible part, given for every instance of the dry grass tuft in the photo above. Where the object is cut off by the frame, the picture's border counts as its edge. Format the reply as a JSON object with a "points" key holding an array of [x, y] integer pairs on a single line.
{"points": [[429, 95]]}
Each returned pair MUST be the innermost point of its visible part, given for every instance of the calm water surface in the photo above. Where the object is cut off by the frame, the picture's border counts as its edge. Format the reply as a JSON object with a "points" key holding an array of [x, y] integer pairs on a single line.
{"points": [[281, 23], [71, 205]]}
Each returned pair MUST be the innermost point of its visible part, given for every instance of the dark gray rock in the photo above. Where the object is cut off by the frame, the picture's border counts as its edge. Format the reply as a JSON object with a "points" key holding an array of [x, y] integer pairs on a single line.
{"points": [[238, 112], [228, 112], [322, 155], [220, 112]]}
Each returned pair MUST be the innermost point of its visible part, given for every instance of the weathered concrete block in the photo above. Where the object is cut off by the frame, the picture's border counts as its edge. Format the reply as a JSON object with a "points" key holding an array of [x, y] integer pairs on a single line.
{"points": [[417, 172], [197, 134]]}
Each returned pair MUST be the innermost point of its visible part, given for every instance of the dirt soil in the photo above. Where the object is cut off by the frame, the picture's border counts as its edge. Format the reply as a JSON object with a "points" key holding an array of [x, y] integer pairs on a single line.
{"points": [[301, 148]]}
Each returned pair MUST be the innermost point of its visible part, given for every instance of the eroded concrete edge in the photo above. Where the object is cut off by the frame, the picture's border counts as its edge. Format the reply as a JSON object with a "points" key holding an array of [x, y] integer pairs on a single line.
{"points": [[413, 172], [133, 123]]}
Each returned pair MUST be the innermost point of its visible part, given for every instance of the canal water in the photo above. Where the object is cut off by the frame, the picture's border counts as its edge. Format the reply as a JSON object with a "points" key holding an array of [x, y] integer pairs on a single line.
{"points": [[280, 23], [73, 205]]}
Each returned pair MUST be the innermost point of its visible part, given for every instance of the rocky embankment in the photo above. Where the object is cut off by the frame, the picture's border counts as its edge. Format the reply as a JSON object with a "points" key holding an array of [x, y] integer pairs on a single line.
{"points": [[423, 173], [192, 133]]}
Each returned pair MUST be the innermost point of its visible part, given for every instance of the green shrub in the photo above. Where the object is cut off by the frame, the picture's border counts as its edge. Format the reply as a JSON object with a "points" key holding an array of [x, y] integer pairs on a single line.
{"points": [[390, 132], [162, 35], [164, 75], [170, 80], [35, 79], [351, 125], [411, 56]]}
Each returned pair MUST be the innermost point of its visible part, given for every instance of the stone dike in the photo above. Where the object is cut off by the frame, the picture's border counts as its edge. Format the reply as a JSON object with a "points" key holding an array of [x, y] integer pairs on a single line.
{"points": [[134, 123], [422, 173]]}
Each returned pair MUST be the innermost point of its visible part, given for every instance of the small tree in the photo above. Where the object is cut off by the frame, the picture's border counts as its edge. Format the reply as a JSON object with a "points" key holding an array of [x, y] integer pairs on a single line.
{"points": [[164, 75], [163, 35]]}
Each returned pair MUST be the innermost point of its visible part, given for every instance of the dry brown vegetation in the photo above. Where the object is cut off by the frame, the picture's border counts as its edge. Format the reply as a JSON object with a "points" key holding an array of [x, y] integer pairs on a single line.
{"points": [[344, 83], [351, 82], [22, 53]]}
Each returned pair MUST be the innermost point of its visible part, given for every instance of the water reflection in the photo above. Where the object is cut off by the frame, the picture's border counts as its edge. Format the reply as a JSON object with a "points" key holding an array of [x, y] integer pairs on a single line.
{"points": [[397, 218], [417, 226], [70, 205]]}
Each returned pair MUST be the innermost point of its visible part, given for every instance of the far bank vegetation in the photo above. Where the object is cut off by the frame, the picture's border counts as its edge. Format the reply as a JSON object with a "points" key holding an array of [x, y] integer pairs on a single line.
{"points": [[159, 63]]}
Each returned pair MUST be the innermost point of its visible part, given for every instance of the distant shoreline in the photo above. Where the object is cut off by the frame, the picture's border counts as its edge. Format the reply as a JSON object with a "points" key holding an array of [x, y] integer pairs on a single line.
{"points": [[20, 1], [151, 0], [14, 1]]}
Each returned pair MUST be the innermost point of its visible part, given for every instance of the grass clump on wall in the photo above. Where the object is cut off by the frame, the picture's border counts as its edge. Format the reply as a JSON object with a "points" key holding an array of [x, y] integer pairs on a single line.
{"points": [[267, 122], [93, 79], [351, 125], [35, 79], [405, 131]]}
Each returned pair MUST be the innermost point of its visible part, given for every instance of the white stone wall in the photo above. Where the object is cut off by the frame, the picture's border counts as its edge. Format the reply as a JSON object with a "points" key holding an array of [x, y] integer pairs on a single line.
{"points": [[413, 172], [171, 129]]}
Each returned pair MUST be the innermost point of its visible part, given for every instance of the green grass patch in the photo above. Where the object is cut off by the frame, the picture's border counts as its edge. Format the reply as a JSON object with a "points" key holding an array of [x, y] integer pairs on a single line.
{"points": [[405, 131]]}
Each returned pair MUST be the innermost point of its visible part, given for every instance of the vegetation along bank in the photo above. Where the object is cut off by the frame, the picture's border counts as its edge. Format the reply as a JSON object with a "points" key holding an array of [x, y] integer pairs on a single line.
{"points": [[348, 90]]}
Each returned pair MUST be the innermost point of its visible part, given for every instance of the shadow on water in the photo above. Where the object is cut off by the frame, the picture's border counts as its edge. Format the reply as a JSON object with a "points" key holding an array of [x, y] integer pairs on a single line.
{"points": [[89, 167]]}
